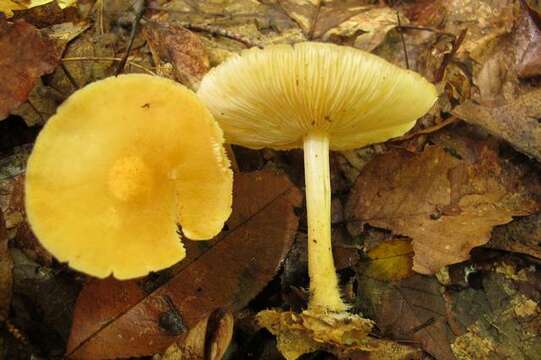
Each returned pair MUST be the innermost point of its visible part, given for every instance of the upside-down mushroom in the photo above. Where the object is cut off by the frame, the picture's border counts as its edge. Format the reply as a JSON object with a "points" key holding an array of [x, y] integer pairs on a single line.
{"points": [[121, 163], [318, 97]]}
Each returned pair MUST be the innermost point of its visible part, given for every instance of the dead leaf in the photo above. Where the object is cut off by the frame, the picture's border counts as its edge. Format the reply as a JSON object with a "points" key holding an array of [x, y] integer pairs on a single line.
{"points": [[412, 309], [8, 6], [6, 266], [173, 44], [208, 340], [499, 320], [391, 260], [521, 236], [25, 55], [447, 203], [342, 334], [528, 50], [135, 318], [367, 29], [517, 122]]}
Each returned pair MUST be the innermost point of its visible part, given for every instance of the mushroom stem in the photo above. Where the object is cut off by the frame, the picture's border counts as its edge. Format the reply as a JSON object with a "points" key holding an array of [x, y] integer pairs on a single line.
{"points": [[324, 291]]}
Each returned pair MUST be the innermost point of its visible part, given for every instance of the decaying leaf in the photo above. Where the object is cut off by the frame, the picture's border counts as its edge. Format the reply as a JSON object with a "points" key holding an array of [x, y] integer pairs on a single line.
{"points": [[412, 309], [5, 271], [208, 340], [529, 44], [521, 236], [341, 334], [501, 320], [517, 122], [138, 318], [8, 6], [173, 44], [446, 203], [391, 260], [367, 28], [25, 55], [11, 188]]}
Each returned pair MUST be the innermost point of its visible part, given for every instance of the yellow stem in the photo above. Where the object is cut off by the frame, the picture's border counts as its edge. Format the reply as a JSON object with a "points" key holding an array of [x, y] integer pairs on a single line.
{"points": [[324, 290]]}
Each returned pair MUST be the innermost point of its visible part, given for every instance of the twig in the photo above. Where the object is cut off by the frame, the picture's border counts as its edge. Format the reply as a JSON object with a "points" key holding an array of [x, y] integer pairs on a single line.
{"points": [[422, 28], [139, 7], [403, 40], [99, 58], [438, 76], [214, 30]]}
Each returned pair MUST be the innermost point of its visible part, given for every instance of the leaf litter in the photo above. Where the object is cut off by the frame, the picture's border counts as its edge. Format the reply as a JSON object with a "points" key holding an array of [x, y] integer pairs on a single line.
{"points": [[435, 201]]}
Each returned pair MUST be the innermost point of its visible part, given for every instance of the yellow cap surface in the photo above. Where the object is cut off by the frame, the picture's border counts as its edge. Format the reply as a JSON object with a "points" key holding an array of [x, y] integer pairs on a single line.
{"points": [[120, 164], [272, 97]]}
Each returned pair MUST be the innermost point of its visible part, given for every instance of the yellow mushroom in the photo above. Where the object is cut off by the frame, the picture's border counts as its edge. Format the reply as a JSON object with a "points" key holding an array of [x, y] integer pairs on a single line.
{"points": [[121, 163], [318, 97]]}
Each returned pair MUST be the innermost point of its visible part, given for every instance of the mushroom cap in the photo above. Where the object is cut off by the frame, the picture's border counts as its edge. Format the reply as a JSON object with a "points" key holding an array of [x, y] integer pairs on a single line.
{"points": [[273, 97], [117, 167]]}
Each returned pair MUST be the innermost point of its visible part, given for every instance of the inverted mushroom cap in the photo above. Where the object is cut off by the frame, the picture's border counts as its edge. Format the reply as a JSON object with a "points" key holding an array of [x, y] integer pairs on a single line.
{"points": [[272, 97], [120, 164]]}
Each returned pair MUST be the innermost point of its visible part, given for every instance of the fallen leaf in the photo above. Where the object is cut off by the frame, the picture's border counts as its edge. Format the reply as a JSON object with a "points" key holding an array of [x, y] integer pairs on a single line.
{"points": [[173, 44], [8, 6], [338, 333], [25, 55], [412, 309], [366, 29], [135, 318], [528, 50], [42, 305], [517, 122], [447, 203], [6, 266], [501, 319], [534, 5], [521, 236], [208, 340], [303, 12], [391, 260]]}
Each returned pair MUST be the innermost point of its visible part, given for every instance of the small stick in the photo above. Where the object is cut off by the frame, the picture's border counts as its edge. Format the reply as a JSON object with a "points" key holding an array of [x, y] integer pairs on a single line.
{"points": [[139, 8], [214, 30], [438, 76], [422, 28], [402, 39]]}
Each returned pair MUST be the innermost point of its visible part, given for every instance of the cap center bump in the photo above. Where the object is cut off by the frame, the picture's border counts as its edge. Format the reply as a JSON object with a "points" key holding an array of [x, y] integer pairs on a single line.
{"points": [[130, 178]]}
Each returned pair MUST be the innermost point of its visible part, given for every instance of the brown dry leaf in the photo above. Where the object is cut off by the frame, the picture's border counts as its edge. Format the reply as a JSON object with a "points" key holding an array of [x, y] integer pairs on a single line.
{"points": [[412, 309], [446, 203], [501, 318], [528, 50], [173, 44], [208, 340], [6, 266], [342, 334], [516, 122], [391, 260], [8, 6], [486, 20], [521, 236], [136, 318], [25, 55]]}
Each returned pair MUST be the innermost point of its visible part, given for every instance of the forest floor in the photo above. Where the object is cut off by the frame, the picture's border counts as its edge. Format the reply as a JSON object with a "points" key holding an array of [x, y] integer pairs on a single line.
{"points": [[436, 234]]}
